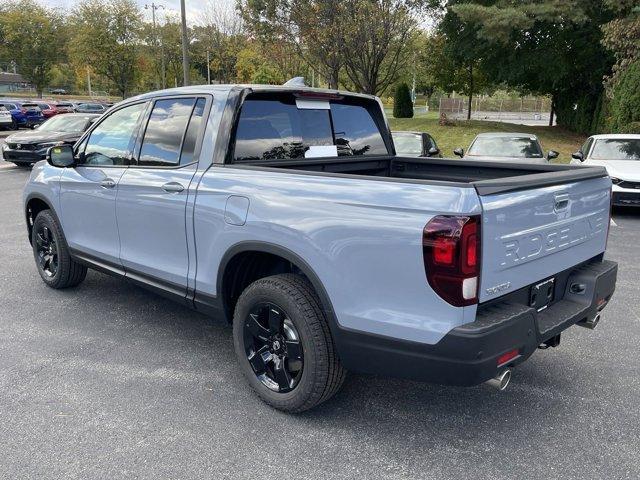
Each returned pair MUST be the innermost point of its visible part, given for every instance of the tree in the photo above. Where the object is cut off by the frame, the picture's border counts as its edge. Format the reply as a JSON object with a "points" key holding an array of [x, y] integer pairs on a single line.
{"points": [[622, 35], [106, 36], [464, 51], [546, 47], [402, 104], [625, 102], [313, 27], [374, 50], [35, 56]]}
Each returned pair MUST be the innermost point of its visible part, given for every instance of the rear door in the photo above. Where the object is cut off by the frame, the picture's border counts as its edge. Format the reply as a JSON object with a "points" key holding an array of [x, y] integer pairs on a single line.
{"points": [[152, 194], [530, 235]]}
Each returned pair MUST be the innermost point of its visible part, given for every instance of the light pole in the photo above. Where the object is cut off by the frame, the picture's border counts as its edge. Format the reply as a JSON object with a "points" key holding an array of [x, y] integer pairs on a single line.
{"points": [[153, 6], [185, 44], [208, 66]]}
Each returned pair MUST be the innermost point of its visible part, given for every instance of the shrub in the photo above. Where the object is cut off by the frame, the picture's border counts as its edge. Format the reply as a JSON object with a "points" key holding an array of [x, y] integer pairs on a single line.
{"points": [[402, 104], [625, 104]]}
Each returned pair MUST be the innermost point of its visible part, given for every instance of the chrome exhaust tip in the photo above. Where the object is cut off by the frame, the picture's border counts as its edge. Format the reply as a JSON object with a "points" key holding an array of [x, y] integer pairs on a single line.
{"points": [[590, 324], [500, 381]]}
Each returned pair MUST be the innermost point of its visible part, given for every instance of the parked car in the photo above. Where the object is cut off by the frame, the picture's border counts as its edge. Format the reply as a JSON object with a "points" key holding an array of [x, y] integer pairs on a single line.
{"points": [[91, 108], [24, 114], [415, 144], [65, 107], [58, 91], [6, 120], [26, 148], [47, 109], [284, 210], [506, 147], [620, 155]]}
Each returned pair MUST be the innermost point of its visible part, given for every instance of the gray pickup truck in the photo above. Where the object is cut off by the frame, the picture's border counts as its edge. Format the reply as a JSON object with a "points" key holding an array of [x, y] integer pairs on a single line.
{"points": [[285, 211]]}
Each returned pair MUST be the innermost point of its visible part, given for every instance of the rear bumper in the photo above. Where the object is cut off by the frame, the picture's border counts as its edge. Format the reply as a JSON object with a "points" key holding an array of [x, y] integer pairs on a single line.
{"points": [[468, 354]]}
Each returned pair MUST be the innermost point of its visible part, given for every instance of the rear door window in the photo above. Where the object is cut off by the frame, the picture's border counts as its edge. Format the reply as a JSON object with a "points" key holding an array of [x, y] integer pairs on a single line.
{"points": [[273, 127], [165, 131]]}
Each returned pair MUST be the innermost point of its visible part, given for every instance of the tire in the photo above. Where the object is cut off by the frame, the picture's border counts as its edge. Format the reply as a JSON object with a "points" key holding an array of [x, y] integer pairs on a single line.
{"points": [[50, 250], [321, 374], [14, 125]]}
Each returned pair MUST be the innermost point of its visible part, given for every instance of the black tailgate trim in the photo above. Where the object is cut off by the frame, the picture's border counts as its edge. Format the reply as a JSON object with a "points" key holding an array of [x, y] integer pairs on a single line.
{"points": [[567, 174]]}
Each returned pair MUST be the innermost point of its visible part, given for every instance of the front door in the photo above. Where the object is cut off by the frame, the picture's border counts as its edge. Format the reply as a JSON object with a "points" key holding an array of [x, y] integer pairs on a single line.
{"points": [[152, 195], [88, 191]]}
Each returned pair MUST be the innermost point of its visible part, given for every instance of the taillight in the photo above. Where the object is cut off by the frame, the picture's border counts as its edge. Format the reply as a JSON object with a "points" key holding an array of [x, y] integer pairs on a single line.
{"points": [[451, 251]]}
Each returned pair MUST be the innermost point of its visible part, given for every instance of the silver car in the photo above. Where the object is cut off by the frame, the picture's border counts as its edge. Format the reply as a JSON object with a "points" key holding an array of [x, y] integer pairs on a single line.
{"points": [[506, 147]]}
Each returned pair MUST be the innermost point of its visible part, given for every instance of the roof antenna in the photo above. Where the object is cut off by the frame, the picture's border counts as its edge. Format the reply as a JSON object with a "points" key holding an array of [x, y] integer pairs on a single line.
{"points": [[295, 82]]}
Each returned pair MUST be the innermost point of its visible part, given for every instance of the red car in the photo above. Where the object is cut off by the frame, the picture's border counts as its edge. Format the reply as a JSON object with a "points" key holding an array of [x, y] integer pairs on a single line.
{"points": [[48, 109], [65, 107]]}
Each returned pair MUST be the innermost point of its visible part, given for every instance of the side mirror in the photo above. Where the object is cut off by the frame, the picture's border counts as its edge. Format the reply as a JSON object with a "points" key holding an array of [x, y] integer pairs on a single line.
{"points": [[578, 156], [433, 151], [552, 154], [459, 152], [61, 156]]}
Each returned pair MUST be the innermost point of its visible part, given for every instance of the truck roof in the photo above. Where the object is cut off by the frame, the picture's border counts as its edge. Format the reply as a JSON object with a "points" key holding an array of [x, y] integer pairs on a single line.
{"points": [[225, 88]]}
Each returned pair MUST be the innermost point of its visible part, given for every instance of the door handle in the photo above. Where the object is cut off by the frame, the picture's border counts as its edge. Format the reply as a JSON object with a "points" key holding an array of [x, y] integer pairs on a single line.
{"points": [[172, 187], [108, 183]]}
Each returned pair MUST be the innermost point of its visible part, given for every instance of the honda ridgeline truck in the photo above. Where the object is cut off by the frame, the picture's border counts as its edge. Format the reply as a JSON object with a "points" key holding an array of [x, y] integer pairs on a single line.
{"points": [[285, 211]]}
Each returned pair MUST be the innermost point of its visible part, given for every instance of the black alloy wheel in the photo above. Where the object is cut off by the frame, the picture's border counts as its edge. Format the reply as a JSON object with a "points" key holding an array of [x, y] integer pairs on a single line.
{"points": [[47, 251], [273, 347]]}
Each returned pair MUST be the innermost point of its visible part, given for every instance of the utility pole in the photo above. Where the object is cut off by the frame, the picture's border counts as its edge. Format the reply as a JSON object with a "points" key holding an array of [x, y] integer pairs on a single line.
{"points": [[153, 6], [89, 80], [208, 66], [185, 44]]}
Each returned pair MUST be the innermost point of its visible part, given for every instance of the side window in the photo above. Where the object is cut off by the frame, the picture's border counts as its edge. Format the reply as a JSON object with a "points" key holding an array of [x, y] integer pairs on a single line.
{"points": [[586, 147], [165, 131], [110, 142], [190, 138]]}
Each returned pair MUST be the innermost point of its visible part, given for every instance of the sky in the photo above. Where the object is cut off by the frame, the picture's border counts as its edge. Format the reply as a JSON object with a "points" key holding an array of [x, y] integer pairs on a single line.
{"points": [[172, 7]]}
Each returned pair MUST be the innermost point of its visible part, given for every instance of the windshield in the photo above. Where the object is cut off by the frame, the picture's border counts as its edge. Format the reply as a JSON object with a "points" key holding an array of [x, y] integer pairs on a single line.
{"points": [[407, 143], [64, 123], [89, 106], [616, 149], [525, 147]]}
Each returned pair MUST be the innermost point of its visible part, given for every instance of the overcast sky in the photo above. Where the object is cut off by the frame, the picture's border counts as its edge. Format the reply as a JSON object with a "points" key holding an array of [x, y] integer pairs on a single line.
{"points": [[194, 7]]}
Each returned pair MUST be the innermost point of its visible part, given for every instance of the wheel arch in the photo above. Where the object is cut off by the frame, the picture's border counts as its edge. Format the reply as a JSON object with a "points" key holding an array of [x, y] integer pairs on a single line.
{"points": [[34, 204], [277, 252]]}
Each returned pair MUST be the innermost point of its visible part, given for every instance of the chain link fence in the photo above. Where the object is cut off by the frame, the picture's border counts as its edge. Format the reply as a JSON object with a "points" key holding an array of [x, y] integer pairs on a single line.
{"points": [[530, 110]]}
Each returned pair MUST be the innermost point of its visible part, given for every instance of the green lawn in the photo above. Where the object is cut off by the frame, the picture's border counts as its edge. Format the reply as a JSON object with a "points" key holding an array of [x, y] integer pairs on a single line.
{"points": [[448, 138]]}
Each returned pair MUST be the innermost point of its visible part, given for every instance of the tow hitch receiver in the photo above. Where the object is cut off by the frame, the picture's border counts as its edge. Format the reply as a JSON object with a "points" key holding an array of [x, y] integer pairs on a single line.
{"points": [[552, 342]]}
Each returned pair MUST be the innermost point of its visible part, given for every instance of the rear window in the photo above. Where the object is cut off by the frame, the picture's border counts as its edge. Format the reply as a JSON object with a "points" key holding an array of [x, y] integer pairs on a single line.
{"points": [[9, 106], [276, 127], [30, 105], [498, 146]]}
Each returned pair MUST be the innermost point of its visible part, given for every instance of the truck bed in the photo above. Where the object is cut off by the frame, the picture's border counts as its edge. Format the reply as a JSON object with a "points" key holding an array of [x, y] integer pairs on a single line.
{"points": [[486, 177]]}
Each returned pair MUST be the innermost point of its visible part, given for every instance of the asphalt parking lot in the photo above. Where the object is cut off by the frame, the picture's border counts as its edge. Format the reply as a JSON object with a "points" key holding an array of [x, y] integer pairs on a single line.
{"points": [[109, 381]]}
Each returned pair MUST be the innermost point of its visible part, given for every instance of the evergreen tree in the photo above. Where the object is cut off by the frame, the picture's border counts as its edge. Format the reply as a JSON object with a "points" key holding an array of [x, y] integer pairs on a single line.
{"points": [[402, 104]]}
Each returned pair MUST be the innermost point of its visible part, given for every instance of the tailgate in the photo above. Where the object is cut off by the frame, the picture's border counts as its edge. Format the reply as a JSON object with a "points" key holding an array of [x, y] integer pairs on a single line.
{"points": [[531, 234]]}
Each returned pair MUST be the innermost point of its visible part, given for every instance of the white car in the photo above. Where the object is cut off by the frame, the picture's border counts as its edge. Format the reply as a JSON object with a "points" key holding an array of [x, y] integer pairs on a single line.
{"points": [[6, 120], [620, 155], [506, 147]]}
